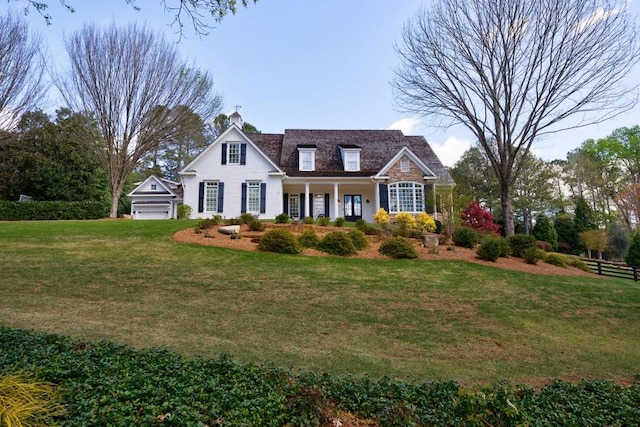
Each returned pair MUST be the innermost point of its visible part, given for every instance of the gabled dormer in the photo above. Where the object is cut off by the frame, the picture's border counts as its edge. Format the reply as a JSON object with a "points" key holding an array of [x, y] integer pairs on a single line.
{"points": [[350, 155], [306, 158]]}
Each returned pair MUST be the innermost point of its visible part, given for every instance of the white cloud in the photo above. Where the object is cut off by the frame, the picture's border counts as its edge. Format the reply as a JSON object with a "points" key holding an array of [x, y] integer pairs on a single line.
{"points": [[407, 126], [450, 151]]}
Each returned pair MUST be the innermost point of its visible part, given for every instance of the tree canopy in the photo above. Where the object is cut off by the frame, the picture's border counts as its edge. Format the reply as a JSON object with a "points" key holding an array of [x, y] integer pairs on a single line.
{"points": [[513, 71]]}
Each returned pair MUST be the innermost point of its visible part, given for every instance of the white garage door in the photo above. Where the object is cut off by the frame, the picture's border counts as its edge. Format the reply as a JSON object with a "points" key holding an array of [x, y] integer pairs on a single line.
{"points": [[151, 212]]}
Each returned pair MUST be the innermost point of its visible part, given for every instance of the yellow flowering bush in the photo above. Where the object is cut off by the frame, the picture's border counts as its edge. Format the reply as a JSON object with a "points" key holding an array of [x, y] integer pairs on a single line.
{"points": [[405, 220], [426, 222], [381, 218]]}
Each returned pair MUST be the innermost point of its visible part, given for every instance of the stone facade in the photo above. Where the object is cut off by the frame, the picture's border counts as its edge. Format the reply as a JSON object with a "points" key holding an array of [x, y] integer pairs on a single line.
{"points": [[395, 173]]}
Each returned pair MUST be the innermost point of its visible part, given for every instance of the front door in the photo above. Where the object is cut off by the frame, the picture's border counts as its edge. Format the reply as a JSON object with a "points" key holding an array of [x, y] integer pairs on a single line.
{"points": [[294, 206], [352, 207]]}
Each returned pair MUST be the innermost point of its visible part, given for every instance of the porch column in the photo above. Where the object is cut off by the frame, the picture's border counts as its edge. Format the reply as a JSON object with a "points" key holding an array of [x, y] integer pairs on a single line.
{"points": [[307, 202], [336, 211], [376, 199]]}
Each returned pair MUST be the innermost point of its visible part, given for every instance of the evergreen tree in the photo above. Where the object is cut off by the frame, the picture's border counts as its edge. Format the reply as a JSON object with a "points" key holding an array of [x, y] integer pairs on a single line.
{"points": [[565, 229], [584, 218], [545, 231], [633, 255]]}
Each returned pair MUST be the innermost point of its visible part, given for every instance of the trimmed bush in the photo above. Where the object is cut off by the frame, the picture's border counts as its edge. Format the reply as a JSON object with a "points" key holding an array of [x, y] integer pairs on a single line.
{"points": [[465, 237], [337, 243], [282, 218], [381, 218], [359, 239], [308, 220], [426, 222], [405, 220], [340, 221], [256, 225], [323, 221], [308, 239], [246, 218], [36, 210], [490, 249], [397, 248], [533, 254], [279, 241], [520, 243], [207, 223], [366, 228], [184, 211], [556, 259]]}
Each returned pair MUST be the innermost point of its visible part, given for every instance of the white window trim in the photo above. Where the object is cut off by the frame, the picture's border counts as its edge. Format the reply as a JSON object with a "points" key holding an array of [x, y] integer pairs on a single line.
{"points": [[393, 189], [302, 152], [207, 185], [346, 154], [229, 145], [405, 166], [255, 188]]}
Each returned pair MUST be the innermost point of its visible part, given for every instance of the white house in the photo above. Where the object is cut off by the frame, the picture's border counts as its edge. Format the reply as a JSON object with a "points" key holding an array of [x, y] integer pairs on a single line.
{"points": [[332, 173], [155, 198]]}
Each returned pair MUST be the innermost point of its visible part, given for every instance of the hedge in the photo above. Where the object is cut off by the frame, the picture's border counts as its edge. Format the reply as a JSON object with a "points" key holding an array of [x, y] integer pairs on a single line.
{"points": [[108, 384], [42, 210]]}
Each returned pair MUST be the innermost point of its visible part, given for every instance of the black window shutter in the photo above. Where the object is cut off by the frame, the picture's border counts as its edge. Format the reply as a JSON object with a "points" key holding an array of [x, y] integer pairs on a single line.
{"points": [[201, 197], [303, 206], [243, 154], [285, 203], [326, 205], [263, 197], [220, 197], [310, 205], [243, 198], [384, 196], [224, 154]]}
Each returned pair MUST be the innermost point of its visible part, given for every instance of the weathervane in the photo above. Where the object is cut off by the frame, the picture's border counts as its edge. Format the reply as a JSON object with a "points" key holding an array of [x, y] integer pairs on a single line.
{"points": [[237, 107]]}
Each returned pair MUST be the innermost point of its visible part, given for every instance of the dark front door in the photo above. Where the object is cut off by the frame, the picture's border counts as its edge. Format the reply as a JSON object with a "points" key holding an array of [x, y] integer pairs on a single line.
{"points": [[352, 207]]}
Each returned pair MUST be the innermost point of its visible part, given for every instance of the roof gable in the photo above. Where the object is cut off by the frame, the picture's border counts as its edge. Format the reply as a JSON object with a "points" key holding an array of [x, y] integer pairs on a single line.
{"points": [[164, 187], [405, 151]]}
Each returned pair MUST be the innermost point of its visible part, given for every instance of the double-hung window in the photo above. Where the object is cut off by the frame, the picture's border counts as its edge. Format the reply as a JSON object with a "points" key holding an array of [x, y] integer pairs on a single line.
{"points": [[307, 159], [233, 153], [406, 197], [253, 197], [211, 197]]}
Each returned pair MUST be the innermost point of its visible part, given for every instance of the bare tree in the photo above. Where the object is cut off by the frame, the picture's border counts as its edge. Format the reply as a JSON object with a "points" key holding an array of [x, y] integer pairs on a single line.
{"points": [[21, 70], [197, 12], [131, 80], [512, 71]]}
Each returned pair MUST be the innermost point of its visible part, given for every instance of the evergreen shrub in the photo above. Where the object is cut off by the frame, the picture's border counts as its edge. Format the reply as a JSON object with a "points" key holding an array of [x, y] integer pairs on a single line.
{"points": [[490, 249], [282, 218], [308, 220], [54, 210], [279, 241], [533, 254], [465, 237], [184, 211], [323, 221], [337, 243], [556, 259], [520, 243], [308, 239], [398, 247], [359, 239], [340, 221]]}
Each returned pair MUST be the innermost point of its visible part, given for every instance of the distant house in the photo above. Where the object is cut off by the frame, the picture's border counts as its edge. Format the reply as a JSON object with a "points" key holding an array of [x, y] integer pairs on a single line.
{"points": [[331, 173], [155, 198]]}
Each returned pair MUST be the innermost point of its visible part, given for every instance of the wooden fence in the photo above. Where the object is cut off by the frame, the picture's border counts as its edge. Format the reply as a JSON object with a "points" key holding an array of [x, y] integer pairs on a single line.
{"points": [[606, 268]]}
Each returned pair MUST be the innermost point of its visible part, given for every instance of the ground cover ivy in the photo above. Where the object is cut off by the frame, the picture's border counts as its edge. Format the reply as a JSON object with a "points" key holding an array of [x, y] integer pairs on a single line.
{"points": [[107, 384]]}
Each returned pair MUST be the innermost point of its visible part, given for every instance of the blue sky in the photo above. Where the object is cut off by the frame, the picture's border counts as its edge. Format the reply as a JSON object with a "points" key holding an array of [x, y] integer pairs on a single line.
{"points": [[302, 64]]}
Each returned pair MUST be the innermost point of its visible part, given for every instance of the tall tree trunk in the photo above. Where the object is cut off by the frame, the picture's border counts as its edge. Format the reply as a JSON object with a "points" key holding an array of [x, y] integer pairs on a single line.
{"points": [[507, 210]]}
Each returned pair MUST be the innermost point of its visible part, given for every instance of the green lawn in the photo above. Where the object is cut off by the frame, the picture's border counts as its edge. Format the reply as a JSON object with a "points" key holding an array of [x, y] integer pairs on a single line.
{"points": [[126, 281]]}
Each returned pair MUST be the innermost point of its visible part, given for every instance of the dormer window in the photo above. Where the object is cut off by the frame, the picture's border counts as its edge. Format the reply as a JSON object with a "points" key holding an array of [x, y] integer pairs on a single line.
{"points": [[351, 158], [154, 187], [306, 159]]}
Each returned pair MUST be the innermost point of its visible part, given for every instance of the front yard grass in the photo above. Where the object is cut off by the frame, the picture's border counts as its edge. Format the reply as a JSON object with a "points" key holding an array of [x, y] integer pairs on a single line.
{"points": [[128, 282]]}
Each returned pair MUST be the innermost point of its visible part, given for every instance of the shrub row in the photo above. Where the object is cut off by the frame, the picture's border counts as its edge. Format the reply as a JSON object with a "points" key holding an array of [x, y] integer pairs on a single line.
{"points": [[42, 210], [108, 384], [334, 243]]}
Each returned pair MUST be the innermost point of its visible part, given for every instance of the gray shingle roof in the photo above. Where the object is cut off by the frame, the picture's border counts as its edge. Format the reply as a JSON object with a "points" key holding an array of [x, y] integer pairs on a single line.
{"points": [[377, 148]]}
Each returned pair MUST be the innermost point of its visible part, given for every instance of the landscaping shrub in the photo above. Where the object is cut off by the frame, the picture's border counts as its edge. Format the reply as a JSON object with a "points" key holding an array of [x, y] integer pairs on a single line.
{"points": [[545, 246], [479, 218], [405, 220], [533, 254], [233, 221], [323, 221], [115, 385], [55, 210], [398, 247], [256, 225], [27, 402], [520, 243], [359, 239], [308, 239], [340, 221], [246, 218], [426, 222], [465, 237], [490, 249], [633, 254], [207, 223], [576, 262], [184, 211], [367, 228], [556, 259], [282, 218], [308, 220], [337, 243], [381, 218], [361, 224], [279, 241], [565, 248]]}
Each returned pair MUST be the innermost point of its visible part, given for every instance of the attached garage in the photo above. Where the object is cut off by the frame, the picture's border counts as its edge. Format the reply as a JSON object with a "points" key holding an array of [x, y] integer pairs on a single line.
{"points": [[155, 198]]}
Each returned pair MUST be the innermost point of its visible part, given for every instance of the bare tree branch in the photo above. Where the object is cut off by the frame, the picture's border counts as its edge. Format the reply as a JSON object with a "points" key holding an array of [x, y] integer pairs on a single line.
{"points": [[132, 81], [514, 70], [22, 70]]}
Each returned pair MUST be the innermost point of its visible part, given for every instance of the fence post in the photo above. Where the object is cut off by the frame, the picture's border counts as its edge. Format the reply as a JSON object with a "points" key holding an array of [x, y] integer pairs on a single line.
{"points": [[635, 273], [599, 267]]}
